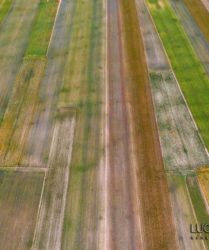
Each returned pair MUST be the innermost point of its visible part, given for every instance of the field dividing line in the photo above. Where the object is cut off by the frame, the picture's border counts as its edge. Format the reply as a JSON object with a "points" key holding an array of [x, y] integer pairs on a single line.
{"points": [[106, 243], [55, 20], [43, 186], [153, 22], [193, 210], [39, 209]]}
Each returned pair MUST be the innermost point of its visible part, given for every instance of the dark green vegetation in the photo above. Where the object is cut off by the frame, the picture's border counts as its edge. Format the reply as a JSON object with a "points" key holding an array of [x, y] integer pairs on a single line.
{"points": [[187, 67], [42, 28]]}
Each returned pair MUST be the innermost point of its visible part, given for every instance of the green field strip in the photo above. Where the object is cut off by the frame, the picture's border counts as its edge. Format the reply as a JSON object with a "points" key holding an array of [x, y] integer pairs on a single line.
{"points": [[81, 89], [19, 201], [186, 65], [200, 14], [20, 111], [5, 6], [197, 200], [42, 29], [198, 203]]}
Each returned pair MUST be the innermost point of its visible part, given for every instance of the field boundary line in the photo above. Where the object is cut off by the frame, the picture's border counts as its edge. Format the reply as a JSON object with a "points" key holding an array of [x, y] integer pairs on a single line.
{"points": [[25, 169], [38, 212], [55, 21], [177, 81], [43, 187], [106, 231], [193, 210]]}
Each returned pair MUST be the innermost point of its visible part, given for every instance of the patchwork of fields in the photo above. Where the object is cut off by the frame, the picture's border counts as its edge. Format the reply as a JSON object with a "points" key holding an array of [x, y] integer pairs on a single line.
{"points": [[104, 133]]}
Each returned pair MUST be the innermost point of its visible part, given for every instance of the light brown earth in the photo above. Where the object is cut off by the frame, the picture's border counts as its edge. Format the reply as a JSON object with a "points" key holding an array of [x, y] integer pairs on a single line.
{"points": [[206, 4]]}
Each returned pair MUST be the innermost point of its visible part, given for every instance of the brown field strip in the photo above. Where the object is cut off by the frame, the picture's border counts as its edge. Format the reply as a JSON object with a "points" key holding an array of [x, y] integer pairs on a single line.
{"points": [[155, 208], [19, 200], [122, 203], [200, 14]]}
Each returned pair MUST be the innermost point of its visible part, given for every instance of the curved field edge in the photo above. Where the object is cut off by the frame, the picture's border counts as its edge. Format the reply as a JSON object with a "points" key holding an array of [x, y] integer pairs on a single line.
{"points": [[188, 69], [200, 14]]}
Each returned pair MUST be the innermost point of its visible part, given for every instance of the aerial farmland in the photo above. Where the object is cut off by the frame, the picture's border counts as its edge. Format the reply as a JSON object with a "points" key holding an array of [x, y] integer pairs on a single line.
{"points": [[104, 124]]}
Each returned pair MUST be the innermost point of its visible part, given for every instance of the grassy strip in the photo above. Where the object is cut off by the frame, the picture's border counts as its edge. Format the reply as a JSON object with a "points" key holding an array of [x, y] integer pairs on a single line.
{"points": [[187, 67], [4, 8], [198, 202], [20, 111], [42, 28], [82, 89], [200, 14]]}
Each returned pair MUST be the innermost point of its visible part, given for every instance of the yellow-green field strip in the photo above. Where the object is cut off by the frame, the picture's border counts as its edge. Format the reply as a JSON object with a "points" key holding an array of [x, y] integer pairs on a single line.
{"points": [[24, 99], [185, 63], [5, 6], [42, 28]]}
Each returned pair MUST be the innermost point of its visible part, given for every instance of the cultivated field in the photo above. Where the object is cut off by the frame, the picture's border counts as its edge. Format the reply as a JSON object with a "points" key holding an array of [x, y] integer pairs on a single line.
{"points": [[200, 11], [19, 200], [186, 65], [180, 141], [98, 149], [184, 212], [196, 37]]}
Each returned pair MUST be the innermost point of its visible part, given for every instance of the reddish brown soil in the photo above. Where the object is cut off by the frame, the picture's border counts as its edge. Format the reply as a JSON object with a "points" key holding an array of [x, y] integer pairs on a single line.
{"points": [[129, 87]]}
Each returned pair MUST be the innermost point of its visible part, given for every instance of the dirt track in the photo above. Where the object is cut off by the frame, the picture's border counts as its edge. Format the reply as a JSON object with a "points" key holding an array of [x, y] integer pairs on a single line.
{"points": [[156, 227], [123, 211]]}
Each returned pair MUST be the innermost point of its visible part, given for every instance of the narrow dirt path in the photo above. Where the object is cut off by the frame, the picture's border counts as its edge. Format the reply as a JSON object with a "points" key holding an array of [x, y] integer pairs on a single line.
{"points": [[148, 225], [123, 226]]}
